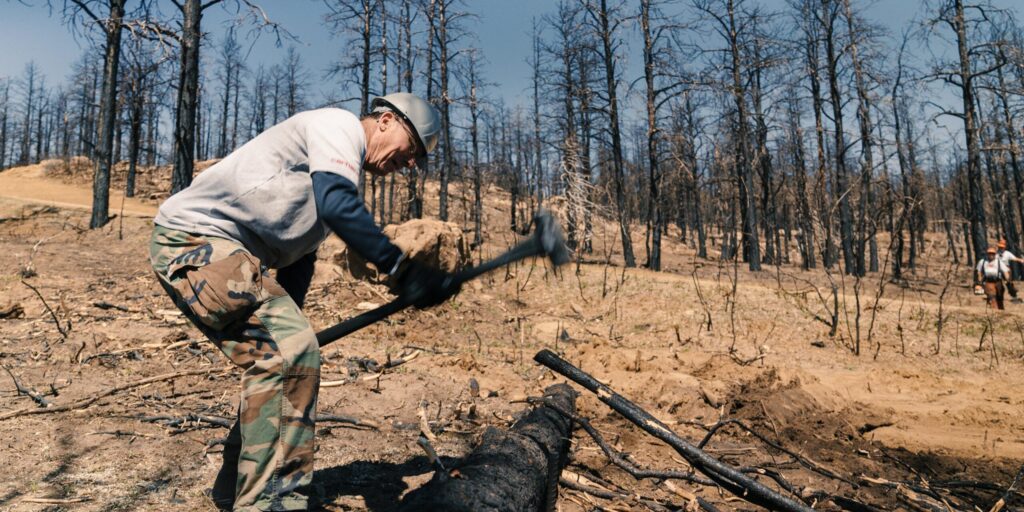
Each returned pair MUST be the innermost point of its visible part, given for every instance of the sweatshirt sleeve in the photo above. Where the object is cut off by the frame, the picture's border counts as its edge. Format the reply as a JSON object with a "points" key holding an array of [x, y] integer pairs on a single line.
{"points": [[339, 205]]}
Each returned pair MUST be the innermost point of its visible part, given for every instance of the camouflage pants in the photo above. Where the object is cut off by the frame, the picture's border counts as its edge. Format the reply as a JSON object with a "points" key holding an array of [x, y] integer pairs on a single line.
{"points": [[231, 298]]}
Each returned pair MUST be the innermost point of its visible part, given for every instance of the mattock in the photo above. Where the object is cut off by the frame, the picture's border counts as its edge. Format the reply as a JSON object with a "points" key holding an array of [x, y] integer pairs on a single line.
{"points": [[547, 240]]}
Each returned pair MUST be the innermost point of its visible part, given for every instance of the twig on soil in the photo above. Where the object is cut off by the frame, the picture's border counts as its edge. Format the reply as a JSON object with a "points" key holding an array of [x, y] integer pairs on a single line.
{"points": [[609, 495], [63, 331], [804, 461], [338, 418], [431, 350], [391, 363], [22, 390], [85, 402], [171, 421], [616, 458], [117, 433], [56, 501], [102, 304], [914, 495], [1002, 499], [29, 270], [435, 461], [12, 310], [744, 362], [424, 424]]}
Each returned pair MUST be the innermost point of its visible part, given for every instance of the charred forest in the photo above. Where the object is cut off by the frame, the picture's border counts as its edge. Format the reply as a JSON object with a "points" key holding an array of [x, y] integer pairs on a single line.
{"points": [[796, 136]]}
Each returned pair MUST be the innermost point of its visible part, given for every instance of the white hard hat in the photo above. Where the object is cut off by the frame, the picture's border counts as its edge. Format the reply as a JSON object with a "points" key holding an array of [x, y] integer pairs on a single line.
{"points": [[421, 116]]}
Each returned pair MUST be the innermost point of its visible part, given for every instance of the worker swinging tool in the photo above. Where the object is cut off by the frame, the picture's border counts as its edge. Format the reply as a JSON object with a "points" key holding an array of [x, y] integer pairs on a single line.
{"points": [[269, 205]]}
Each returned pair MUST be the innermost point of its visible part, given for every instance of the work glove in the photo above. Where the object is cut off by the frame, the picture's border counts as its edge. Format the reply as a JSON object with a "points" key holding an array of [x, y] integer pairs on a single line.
{"points": [[423, 286]]}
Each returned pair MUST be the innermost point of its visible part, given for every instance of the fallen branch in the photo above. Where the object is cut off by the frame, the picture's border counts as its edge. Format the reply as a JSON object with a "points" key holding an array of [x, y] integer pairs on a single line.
{"points": [[726, 476], [29, 392], [177, 422], [12, 310], [616, 458], [1006, 495], [85, 402], [804, 461], [337, 418], [610, 495], [102, 304], [63, 332], [56, 501]]}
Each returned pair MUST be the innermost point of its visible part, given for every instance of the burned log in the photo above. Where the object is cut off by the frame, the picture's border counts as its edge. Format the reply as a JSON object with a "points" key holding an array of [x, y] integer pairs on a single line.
{"points": [[514, 471]]}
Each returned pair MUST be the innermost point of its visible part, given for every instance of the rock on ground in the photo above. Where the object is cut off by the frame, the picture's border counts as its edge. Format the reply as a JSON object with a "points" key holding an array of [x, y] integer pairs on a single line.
{"points": [[431, 242]]}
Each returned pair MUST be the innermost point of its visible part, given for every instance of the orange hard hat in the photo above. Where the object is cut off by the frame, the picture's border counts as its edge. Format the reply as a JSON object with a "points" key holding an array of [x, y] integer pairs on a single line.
{"points": [[1002, 244], [991, 250]]}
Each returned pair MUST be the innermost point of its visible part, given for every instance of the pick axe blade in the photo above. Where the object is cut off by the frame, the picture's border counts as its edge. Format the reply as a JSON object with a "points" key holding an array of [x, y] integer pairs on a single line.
{"points": [[547, 240]]}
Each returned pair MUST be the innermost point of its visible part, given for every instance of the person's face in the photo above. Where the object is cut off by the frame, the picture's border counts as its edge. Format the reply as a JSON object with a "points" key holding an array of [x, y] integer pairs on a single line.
{"points": [[393, 146], [991, 256]]}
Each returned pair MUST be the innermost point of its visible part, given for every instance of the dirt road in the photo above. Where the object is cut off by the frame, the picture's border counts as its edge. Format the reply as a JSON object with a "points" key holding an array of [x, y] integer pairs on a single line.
{"points": [[29, 184]]}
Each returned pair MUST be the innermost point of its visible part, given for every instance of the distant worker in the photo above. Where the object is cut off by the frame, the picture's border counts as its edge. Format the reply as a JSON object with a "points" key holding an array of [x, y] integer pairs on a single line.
{"points": [[1006, 257], [269, 205], [992, 273]]}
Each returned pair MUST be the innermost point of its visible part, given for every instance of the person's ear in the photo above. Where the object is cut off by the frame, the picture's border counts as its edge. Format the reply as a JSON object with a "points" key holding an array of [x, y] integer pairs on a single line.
{"points": [[386, 120]]}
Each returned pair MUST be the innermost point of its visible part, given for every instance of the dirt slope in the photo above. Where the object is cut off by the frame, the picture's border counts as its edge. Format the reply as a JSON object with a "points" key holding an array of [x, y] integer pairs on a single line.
{"points": [[31, 184]]}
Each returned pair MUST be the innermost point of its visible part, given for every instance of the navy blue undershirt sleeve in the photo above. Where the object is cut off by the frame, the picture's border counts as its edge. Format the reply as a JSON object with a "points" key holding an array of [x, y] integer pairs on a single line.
{"points": [[295, 278], [339, 205]]}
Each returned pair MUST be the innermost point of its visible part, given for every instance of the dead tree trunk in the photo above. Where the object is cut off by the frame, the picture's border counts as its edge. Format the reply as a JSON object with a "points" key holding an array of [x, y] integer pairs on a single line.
{"points": [[976, 205], [513, 470], [1014, 149], [829, 14], [108, 111], [474, 135], [188, 95], [606, 28], [805, 222], [446, 34], [867, 161], [654, 213], [812, 42]]}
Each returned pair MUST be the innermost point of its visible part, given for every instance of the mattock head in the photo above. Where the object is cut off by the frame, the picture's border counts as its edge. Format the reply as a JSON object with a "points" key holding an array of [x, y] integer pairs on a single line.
{"points": [[550, 239]]}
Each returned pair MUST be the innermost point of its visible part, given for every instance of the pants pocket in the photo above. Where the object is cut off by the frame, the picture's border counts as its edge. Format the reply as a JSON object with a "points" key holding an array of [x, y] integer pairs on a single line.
{"points": [[222, 292]]}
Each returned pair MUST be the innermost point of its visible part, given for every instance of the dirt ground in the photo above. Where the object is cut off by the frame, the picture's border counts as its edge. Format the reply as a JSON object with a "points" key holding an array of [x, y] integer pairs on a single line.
{"points": [[902, 421]]}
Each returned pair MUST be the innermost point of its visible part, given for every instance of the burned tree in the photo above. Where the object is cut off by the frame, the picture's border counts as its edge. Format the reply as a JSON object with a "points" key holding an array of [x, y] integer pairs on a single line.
{"points": [[187, 103], [605, 23], [110, 22], [855, 34], [358, 19], [962, 74], [723, 15], [661, 84], [143, 64], [827, 16], [188, 91]]}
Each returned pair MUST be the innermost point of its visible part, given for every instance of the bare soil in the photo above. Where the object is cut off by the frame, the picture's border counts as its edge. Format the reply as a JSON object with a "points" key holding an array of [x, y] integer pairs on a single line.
{"points": [[680, 343]]}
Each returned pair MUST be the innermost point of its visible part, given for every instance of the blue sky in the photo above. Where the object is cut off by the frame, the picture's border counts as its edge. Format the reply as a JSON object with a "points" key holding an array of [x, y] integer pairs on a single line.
{"points": [[502, 31]]}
